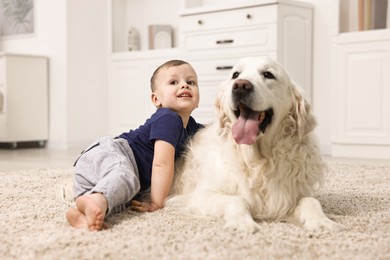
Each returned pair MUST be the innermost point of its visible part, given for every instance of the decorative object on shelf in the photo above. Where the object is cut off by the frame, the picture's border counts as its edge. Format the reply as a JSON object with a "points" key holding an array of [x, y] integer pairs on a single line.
{"points": [[133, 40], [160, 36], [16, 17], [388, 14], [378, 15], [360, 15]]}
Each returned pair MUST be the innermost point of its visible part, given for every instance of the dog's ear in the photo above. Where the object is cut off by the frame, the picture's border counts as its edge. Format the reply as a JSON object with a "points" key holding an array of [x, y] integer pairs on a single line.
{"points": [[301, 112], [223, 119]]}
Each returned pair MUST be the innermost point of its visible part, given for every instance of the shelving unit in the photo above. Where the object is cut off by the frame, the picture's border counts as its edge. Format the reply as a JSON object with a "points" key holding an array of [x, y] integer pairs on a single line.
{"points": [[363, 15], [361, 115], [123, 16]]}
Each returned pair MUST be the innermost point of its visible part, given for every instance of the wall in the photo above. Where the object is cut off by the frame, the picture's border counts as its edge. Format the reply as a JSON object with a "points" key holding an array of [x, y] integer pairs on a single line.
{"points": [[65, 33], [325, 23], [87, 52]]}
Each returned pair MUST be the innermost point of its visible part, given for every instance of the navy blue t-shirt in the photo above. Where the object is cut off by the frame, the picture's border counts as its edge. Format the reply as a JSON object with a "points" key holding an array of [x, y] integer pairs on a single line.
{"points": [[165, 125]]}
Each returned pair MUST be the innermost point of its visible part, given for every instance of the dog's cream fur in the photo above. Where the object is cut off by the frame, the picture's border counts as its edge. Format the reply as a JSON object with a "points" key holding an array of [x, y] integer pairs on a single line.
{"points": [[272, 179]]}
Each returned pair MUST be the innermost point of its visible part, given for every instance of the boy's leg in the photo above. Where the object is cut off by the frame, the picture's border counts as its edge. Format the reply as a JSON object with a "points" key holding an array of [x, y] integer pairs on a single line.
{"points": [[108, 169], [122, 183]]}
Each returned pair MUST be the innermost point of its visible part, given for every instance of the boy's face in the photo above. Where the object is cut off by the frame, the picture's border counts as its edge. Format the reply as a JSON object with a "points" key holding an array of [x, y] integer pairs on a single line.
{"points": [[177, 89]]}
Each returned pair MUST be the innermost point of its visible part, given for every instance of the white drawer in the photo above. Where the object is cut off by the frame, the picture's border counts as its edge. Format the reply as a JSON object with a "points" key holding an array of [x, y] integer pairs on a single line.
{"points": [[263, 37], [219, 67], [228, 19]]}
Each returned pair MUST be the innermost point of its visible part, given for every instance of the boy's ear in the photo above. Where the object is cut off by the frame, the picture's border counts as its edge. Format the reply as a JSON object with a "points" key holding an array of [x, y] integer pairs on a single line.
{"points": [[155, 100]]}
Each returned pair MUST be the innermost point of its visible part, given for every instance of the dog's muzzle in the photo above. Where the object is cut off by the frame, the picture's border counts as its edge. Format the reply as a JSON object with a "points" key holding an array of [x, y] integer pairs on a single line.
{"points": [[249, 122]]}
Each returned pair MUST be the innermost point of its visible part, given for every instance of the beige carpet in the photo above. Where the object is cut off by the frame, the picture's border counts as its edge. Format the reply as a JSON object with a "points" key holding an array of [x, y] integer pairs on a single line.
{"points": [[356, 194]]}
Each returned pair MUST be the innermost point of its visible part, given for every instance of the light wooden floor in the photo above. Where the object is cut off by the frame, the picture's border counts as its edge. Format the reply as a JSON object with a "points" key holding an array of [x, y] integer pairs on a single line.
{"points": [[33, 158]]}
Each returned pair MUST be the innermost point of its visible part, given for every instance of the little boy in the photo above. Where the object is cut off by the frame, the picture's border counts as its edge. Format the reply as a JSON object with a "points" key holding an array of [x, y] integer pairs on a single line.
{"points": [[110, 172]]}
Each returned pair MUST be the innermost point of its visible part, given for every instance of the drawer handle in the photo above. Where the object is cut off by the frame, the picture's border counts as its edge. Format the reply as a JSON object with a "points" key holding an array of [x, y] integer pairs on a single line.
{"points": [[200, 22], [224, 41], [224, 67], [1, 101], [248, 16]]}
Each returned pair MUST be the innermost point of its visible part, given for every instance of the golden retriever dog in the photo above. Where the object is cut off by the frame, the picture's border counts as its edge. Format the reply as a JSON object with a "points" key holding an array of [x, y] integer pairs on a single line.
{"points": [[259, 159]]}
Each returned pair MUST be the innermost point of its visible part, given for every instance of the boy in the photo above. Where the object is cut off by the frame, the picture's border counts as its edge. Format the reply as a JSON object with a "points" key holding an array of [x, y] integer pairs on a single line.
{"points": [[112, 171]]}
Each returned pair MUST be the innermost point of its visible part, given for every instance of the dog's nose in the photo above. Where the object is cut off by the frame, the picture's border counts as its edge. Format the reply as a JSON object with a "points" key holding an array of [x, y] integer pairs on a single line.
{"points": [[242, 86]]}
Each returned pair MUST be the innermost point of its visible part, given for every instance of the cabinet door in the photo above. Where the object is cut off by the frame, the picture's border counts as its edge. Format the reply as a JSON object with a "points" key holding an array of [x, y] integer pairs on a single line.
{"points": [[129, 96], [363, 93], [3, 122]]}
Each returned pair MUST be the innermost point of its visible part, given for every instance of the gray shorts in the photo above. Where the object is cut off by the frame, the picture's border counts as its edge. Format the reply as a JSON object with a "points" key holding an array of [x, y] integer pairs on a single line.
{"points": [[108, 166]]}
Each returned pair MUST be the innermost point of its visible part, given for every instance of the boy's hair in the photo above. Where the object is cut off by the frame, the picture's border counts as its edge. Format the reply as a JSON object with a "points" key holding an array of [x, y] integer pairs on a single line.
{"points": [[168, 64]]}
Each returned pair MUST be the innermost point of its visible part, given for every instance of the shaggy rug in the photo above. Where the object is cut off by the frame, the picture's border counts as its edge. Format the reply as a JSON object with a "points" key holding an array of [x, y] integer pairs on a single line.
{"points": [[355, 193]]}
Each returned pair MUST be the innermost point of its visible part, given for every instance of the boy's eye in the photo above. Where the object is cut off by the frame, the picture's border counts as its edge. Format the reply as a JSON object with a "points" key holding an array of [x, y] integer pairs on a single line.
{"points": [[173, 82], [191, 82]]}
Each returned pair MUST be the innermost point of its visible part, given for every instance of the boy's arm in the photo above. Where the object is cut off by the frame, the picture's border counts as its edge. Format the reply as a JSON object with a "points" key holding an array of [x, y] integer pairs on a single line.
{"points": [[162, 176]]}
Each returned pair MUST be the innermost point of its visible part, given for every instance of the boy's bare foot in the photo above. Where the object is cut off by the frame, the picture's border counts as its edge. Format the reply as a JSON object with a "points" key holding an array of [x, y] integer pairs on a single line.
{"points": [[90, 212], [76, 218]]}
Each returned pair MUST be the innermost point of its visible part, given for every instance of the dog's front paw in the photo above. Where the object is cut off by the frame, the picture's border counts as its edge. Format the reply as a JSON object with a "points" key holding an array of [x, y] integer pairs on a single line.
{"points": [[310, 215], [322, 223], [244, 225]]}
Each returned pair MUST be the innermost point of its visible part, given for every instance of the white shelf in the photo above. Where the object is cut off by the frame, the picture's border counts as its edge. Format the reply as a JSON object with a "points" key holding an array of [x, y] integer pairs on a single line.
{"points": [[190, 7], [145, 54], [369, 35], [140, 14]]}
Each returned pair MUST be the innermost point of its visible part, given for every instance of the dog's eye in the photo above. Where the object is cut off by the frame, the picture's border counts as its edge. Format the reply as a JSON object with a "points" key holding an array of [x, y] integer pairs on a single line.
{"points": [[268, 75], [235, 75]]}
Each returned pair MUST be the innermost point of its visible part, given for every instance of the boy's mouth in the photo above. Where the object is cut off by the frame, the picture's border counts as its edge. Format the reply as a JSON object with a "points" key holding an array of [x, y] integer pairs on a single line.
{"points": [[185, 95]]}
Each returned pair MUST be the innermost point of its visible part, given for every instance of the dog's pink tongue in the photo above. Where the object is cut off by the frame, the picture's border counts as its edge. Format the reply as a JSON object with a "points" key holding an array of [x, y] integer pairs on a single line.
{"points": [[246, 128]]}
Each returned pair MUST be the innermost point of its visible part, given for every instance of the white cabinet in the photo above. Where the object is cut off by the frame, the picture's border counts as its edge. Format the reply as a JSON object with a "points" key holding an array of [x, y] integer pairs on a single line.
{"points": [[23, 99], [214, 37], [361, 88], [362, 95]]}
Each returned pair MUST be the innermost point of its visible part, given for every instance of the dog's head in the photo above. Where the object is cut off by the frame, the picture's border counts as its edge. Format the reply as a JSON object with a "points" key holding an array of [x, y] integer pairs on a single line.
{"points": [[257, 97]]}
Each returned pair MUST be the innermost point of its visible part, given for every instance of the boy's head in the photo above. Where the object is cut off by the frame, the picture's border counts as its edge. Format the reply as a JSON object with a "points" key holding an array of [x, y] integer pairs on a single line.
{"points": [[174, 85], [168, 64]]}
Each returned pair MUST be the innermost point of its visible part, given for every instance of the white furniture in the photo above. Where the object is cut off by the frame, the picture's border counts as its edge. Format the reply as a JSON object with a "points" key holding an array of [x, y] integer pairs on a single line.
{"points": [[362, 95], [129, 93], [361, 91], [23, 99], [212, 36]]}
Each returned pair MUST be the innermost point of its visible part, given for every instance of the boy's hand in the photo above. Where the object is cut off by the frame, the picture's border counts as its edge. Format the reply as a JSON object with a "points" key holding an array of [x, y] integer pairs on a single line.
{"points": [[142, 206]]}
